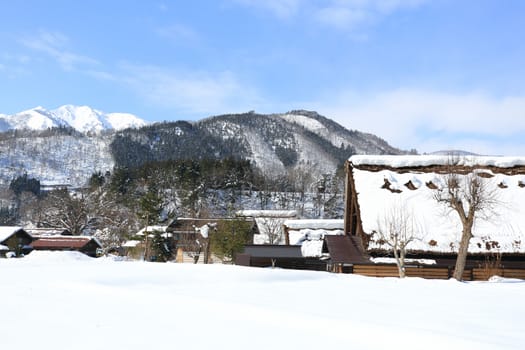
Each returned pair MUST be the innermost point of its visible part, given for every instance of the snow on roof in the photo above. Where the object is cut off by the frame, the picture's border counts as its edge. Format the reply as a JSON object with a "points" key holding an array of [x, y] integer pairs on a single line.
{"points": [[299, 236], [47, 231], [131, 244], [311, 240], [267, 213], [3, 247], [439, 230], [8, 231], [312, 249], [326, 224], [150, 229], [386, 260], [426, 160]]}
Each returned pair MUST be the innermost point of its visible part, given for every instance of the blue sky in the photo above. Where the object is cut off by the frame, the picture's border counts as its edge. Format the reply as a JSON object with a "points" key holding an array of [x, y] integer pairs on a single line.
{"points": [[424, 74]]}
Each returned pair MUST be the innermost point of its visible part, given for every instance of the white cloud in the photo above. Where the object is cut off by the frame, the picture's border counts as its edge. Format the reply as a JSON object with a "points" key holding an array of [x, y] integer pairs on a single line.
{"points": [[430, 120], [279, 8], [54, 45], [194, 93], [341, 14], [350, 14]]}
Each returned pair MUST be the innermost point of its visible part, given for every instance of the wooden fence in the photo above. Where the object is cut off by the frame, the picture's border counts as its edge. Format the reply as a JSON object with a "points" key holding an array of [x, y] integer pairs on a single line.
{"points": [[436, 272]]}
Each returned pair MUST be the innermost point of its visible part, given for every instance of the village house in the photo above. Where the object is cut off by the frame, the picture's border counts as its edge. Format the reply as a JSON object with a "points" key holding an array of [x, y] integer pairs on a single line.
{"points": [[14, 241], [84, 244], [191, 237], [376, 185]]}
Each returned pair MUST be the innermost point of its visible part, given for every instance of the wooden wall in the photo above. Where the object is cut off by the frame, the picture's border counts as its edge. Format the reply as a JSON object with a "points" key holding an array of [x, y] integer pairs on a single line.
{"points": [[433, 272]]}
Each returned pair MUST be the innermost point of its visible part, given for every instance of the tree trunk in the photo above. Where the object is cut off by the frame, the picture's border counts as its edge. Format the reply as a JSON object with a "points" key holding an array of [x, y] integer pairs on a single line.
{"points": [[206, 251], [400, 261], [462, 252]]}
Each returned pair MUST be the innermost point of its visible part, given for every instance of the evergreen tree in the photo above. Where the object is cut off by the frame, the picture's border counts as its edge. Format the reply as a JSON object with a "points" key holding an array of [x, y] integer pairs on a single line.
{"points": [[160, 249], [230, 238], [25, 184], [150, 206]]}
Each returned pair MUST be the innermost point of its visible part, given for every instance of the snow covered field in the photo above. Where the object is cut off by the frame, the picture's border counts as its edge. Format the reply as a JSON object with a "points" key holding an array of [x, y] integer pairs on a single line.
{"points": [[69, 301]]}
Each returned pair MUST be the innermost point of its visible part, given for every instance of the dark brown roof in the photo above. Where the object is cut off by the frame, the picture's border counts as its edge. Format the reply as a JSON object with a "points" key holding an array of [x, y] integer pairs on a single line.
{"points": [[62, 242], [344, 250]]}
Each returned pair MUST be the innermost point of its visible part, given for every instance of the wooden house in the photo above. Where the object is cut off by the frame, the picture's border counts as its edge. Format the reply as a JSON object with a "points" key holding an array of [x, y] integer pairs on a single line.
{"points": [[14, 240], [376, 184], [190, 237], [84, 244]]}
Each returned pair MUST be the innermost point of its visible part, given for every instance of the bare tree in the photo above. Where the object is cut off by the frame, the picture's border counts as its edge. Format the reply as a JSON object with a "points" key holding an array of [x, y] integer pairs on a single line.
{"points": [[63, 209], [397, 229], [470, 197], [272, 228]]}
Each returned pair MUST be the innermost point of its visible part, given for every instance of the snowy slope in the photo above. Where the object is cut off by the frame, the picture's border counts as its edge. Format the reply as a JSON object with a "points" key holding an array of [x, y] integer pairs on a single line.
{"points": [[119, 121], [81, 118], [33, 119], [65, 300], [277, 142], [55, 159]]}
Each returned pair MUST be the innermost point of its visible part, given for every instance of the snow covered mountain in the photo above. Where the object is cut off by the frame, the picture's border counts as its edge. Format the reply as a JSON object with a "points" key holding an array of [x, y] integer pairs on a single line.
{"points": [[81, 118], [275, 144]]}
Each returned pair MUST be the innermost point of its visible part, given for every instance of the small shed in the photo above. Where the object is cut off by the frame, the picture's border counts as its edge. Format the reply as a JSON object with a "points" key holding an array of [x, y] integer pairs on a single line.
{"points": [[282, 256]]}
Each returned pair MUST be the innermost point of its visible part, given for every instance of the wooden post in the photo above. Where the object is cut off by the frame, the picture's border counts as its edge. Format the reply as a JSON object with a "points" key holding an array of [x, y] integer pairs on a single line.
{"points": [[348, 199]]}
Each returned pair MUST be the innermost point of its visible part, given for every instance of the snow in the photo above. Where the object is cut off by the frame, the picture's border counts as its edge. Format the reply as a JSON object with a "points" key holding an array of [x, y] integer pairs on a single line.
{"points": [[81, 118], [119, 121], [204, 230], [385, 260], [306, 122], [267, 213], [61, 159], [438, 229], [65, 300], [131, 244], [327, 224], [313, 249], [34, 119], [151, 229], [426, 160], [7, 231], [310, 233]]}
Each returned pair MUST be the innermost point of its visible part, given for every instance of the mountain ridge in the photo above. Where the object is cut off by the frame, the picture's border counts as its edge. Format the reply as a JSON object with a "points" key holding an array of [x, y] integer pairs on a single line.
{"points": [[275, 144], [81, 118]]}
